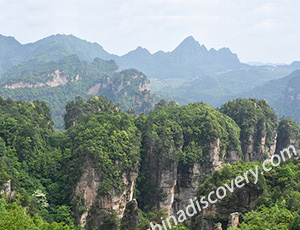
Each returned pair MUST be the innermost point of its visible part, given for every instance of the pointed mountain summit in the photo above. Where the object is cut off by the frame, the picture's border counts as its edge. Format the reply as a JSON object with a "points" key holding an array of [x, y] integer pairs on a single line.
{"points": [[188, 43], [190, 51], [140, 58], [142, 50], [139, 51]]}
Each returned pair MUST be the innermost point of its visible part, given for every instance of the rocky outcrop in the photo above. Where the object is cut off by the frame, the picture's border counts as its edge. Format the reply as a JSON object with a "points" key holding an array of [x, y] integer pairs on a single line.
{"points": [[94, 90], [167, 183], [257, 150], [258, 123], [127, 86], [8, 190], [87, 189], [234, 219], [288, 134], [190, 178], [145, 85], [207, 223], [55, 79], [58, 79], [174, 172], [178, 183], [20, 84], [97, 206], [218, 226], [118, 85]]}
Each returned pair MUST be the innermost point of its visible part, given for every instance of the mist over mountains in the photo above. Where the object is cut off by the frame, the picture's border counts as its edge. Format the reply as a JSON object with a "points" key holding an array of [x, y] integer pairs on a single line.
{"points": [[189, 73], [189, 57]]}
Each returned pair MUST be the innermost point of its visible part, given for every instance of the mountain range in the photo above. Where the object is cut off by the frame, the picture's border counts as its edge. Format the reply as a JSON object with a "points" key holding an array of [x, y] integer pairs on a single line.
{"points": [[189, 73], [189, 57]]}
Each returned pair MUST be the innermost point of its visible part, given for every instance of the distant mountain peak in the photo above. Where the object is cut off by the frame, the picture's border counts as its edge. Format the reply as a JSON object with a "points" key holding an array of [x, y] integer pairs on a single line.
{"points": [[189, 42], [190, 47], [296, 65], [190, 39], [225, 50], [139, 48], [9, 39], [140, 51]]}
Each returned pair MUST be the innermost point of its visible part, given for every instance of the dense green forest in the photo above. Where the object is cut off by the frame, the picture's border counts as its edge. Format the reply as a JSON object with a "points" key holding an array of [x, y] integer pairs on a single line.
{"points": [[42, 171], [277, 197], [31, 160]]}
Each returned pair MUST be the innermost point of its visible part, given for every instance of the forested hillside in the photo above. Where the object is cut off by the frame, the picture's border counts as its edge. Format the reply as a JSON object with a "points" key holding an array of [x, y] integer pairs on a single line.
{"points": [[288, 104], [272, 90], [52, 48], [273, 203], [113, 170], [56, 83], [30, 164]]}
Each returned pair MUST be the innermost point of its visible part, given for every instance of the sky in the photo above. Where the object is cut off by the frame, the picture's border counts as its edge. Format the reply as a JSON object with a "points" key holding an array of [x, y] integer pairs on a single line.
{"points": [[257, 30]]}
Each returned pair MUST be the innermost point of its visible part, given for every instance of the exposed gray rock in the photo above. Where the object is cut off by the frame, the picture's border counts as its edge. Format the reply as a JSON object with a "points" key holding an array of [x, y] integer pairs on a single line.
{"points": [[8, 190], [233, 220], [218, 226], [95, 203]]}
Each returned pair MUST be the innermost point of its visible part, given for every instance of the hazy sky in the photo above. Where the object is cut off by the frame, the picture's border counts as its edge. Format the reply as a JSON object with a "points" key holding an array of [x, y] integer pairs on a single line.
{"points": [[257, 30]]}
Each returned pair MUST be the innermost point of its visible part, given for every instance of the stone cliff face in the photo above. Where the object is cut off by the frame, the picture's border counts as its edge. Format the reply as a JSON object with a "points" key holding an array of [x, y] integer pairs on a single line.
{"points": [[178, 183], [190, 178], [175, 182], [169, 183], [93, 207], [288, 134], [172, 181], [54, 79], [258, 123], [8, 190], [125, 86], [257, 149]]}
